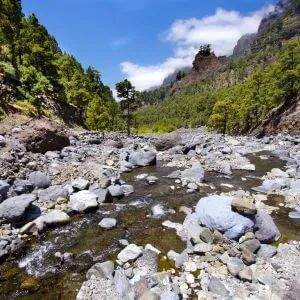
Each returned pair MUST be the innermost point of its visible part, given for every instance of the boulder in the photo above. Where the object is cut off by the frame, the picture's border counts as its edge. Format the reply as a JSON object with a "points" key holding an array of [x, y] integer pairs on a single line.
{"points": [[235, 265], [101, 270], [130, 253], [13, 209], [265, 229], [83, 200], [194, 174], [39, 180], [116, 191], [108, 223], [127, 189], [80, 184], [244, 207], [103, 195], [22, 187], [52, 193], [113, 144], [55, 217], [252, 245], [167, 141], [142, 158], [217, 287], [202, 248], [215, 212], [246, 274], [4, 187], [42, 135], [122, 284], [266, 251]]}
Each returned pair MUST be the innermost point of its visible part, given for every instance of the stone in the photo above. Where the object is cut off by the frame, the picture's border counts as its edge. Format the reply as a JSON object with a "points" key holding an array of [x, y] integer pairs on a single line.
{"points": [[21, 187], [248, 257], [142, 158], [130, 253], [244, 207], [157, 210], [151, 179], [83, 201], [113, 144], [294, 215], [194, 174], [172, 255], [252, 245], [55, 217], [217, 287], [248, 236], [116, 191], [235, 265], [167, 141], [39, 180], [4, 187], [80, 184], [245, 274], [101, 270], [127, 189], [13, 209], [169, 296], [181, 259], [215, 212], [30, 284], [207, 236], [41, 136], [265, 229], [148, 295], [122, 284], [266, 251], [202, 248], [108, 223], [52, 193], [103, 195]]}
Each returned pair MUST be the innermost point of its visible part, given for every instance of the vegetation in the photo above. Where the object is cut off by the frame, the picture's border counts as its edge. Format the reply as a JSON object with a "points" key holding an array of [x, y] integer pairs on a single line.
{"points": [[33, 69]]}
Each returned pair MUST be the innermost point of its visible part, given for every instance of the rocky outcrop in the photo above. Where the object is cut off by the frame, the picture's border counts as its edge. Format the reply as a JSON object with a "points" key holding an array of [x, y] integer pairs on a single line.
{"points": [[244, 44]]}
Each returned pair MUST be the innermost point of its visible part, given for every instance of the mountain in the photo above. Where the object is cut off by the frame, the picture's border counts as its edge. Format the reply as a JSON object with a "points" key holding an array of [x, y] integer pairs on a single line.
{"points": [[173, 76], [254, 91]]}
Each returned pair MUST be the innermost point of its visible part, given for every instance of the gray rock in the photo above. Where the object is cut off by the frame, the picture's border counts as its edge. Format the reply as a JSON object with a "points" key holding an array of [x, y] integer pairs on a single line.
{"points": [[130, 253], [252, 245], [80, 184], [167, 141], [101, 270], [215, 212], [194, 174], [103, 195], [52, 193], [13, 209], [169, 296], [116, 191], [207, 236], [151, 179], [157, 210], [294, 187], [127, 189], [217, 287], [235, 265], [142, 158], [122, 284], [244, 207], [202, 248], [108, 223], [265, 229], [39, 180], [83, 200], [266, 251], [22, 187], [148, 295], [294, 215], [246, 274], [4, 187], [268, 186], [181, 259], [55, 217]]}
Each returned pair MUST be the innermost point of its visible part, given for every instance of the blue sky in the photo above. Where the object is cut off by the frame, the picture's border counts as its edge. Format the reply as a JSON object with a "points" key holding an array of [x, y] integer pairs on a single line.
{"points": [[144, 40]]}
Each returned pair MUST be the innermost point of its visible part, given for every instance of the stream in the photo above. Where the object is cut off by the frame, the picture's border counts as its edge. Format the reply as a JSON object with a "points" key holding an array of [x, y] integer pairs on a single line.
{"points": [[62, 281]]}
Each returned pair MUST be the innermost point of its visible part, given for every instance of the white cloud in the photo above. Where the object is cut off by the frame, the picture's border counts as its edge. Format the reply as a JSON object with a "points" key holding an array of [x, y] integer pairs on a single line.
{"points": [[222, 30]]}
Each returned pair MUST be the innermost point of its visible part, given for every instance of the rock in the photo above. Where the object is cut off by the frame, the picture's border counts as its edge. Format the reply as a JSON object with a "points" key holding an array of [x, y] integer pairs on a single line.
{"points": [[113, 144], [80, 184], [244, 207], [266, 251], [252, 245], [130, 253], [13, 209], [108, 223], [235, 265], [101, 270], [116, 191], [202, 248], [4, 187], [83, 201], [181, 259], [245, 274], [122, 284], [167, 141], [142, 158], [194, 174], [294, 215], [30, 284], [265, 229], [148, 295], [217, 287], [151, 180], [215, 212], [248, 257], [103, 195], [169, 296], [172, 255], [268, 186], [55, 217], [22, 187], [207, 236], [157, 210], [41, 136], [248, 236], [127, 189], [52, 193], [294, 187], [39, 180]]}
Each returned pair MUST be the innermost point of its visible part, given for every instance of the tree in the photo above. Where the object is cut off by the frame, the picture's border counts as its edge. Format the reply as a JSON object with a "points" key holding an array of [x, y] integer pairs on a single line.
{"points": [[126, 92], [205, 50]]}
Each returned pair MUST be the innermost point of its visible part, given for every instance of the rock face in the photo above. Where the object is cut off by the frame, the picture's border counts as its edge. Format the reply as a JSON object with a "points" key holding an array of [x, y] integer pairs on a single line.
{"points": [[41, 136], [265, 229], [13, 209], [244, 44], [215, 212], [83, 200]]}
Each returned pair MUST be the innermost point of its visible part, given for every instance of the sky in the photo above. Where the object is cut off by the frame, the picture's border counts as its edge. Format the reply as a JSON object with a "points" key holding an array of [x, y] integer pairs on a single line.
{"points": [[145, 40]]}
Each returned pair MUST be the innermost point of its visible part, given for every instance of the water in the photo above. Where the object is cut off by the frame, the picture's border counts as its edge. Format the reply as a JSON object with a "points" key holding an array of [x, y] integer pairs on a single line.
{"points": [[62, 281]]}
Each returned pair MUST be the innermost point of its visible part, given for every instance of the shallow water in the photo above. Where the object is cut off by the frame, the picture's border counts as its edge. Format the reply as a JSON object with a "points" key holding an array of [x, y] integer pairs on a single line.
{"points": [[62, 281]]}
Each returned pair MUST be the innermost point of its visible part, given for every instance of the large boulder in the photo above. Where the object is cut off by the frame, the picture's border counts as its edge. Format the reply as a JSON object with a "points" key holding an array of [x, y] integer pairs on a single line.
{"points": [[39, 180], [13, 209], [83, 201], [52, 193], [142, 158], [55, 217], [194, 174], [42, 135], [215, 212], [265, 229], [167, 141]]}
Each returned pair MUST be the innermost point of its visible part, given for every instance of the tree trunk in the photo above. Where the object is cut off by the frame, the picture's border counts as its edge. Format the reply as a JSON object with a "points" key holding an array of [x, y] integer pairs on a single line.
{"points": [[128, 118]]}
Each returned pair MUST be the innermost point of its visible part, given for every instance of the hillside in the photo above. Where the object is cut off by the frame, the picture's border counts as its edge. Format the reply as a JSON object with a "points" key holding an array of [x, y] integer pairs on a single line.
{"points": [[38, 79], [238, 94]]}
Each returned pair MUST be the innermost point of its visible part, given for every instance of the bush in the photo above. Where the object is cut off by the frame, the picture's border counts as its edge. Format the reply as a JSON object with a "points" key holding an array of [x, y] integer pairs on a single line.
{"points": [[26, 107]]}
